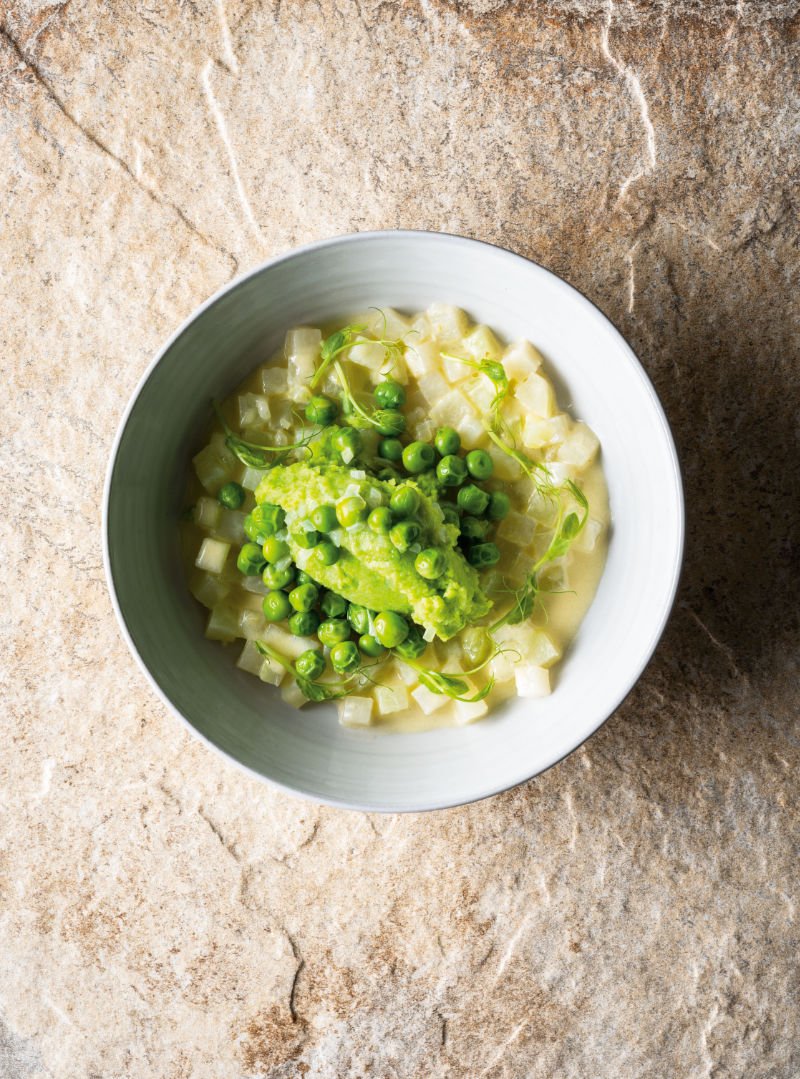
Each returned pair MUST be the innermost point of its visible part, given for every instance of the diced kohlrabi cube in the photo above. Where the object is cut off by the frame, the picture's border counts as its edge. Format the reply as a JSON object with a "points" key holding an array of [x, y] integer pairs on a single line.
{"points": [[252, 625], [471, 430], [429, 702], [212, 555], [274, 380], [390, 699], [480, 390], [481, 344], [301, 348], [447, 322], [505, 467], [206, 513], [386, 323], [209, 589], [517, 528], [432, 387], [521, 359], [250, 659], [586, 539], [532, 681], [580, 446], [421, 357], [223, 623], [215, 465], [230, 526], [355, 711], [465, 712], [251, 477], [287, 644], [292, 694], [536, 394], [367, 354]]}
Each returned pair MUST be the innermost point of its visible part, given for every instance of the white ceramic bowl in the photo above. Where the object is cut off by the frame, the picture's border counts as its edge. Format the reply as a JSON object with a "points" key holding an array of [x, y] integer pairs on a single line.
{"points": [[308, 752]]}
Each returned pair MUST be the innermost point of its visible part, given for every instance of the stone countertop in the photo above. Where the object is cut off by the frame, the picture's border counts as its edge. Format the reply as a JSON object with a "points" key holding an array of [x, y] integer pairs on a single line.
{"points": [[633, 912]]}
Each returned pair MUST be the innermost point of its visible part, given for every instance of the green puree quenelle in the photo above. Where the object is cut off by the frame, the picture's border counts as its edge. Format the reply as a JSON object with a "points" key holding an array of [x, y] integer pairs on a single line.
{"points": [[371, 570]]}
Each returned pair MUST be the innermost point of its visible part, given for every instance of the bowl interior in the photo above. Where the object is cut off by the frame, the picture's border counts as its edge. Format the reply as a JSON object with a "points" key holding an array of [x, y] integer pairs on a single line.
{"points": [[600, 381]]}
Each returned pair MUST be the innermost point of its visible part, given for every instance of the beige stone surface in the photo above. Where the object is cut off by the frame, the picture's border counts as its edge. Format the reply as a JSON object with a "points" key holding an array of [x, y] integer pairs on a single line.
{"points": [[633, 912]]}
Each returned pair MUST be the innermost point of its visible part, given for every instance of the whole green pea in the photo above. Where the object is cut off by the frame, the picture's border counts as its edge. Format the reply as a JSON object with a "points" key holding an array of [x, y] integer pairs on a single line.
{"points": [[389, 473], [274, 549], [358, 617], [323, 518], [306, 538], [348, 442], [327, 553], [351, 510], [390, 394], [370, 646], [264, 520], [447, 441], [310, 664], [333, 605], [413, 646], [472, 499], [321, 410], [380, 520], [231, 495], [390, 449], [404, 502], [344, 657], [483, 554], [276, 606], [450, 514], [474, 528], [418, 457], [451, 471], [430, 563], [304, 578], [333, 631], [250, 560], [304, 623], [275, 578], [304, 597], [391, 628], [404, 534], [389, 422], [479, 464], [499, 505]]}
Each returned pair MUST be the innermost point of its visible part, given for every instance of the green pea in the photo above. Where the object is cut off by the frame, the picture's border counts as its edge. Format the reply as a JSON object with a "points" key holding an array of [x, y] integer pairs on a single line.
{"points": [[413, 646], [474, 528], [231, 495], [430, 563], [265, 520], [447, 441], [327, 553], [472, 499], [348, 442], [304, 578], [388, 474], [404, 502], [304, 597], [404, 534], [390, 449], [310, 664], [450, 514], [370, 646], [333, 605], [389, 422], [323, 518], [333, 631], [321, 410], [274, 549], [483, 554], [390, 394], [276, 606], [275, 578], [418, 457], [250, 560], [479, 464], [499, 505], [351, 510], [391, 628], [344, 657], [306, 538], [451, 471], [358, 617], [304, 623], [380, 520]]}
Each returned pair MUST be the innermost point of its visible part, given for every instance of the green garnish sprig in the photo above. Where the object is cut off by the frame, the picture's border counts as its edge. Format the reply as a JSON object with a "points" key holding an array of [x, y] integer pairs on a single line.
{"points": [[341, 340], [254, 454], [453, 685]]}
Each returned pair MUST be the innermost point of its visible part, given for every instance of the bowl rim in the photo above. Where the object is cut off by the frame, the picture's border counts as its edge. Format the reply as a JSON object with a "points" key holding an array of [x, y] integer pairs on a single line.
{"points": [[374, 236]]}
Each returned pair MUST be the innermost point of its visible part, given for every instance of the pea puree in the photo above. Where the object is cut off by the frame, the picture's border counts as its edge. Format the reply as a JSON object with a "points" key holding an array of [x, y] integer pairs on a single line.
{"points": [[371, 571]]}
